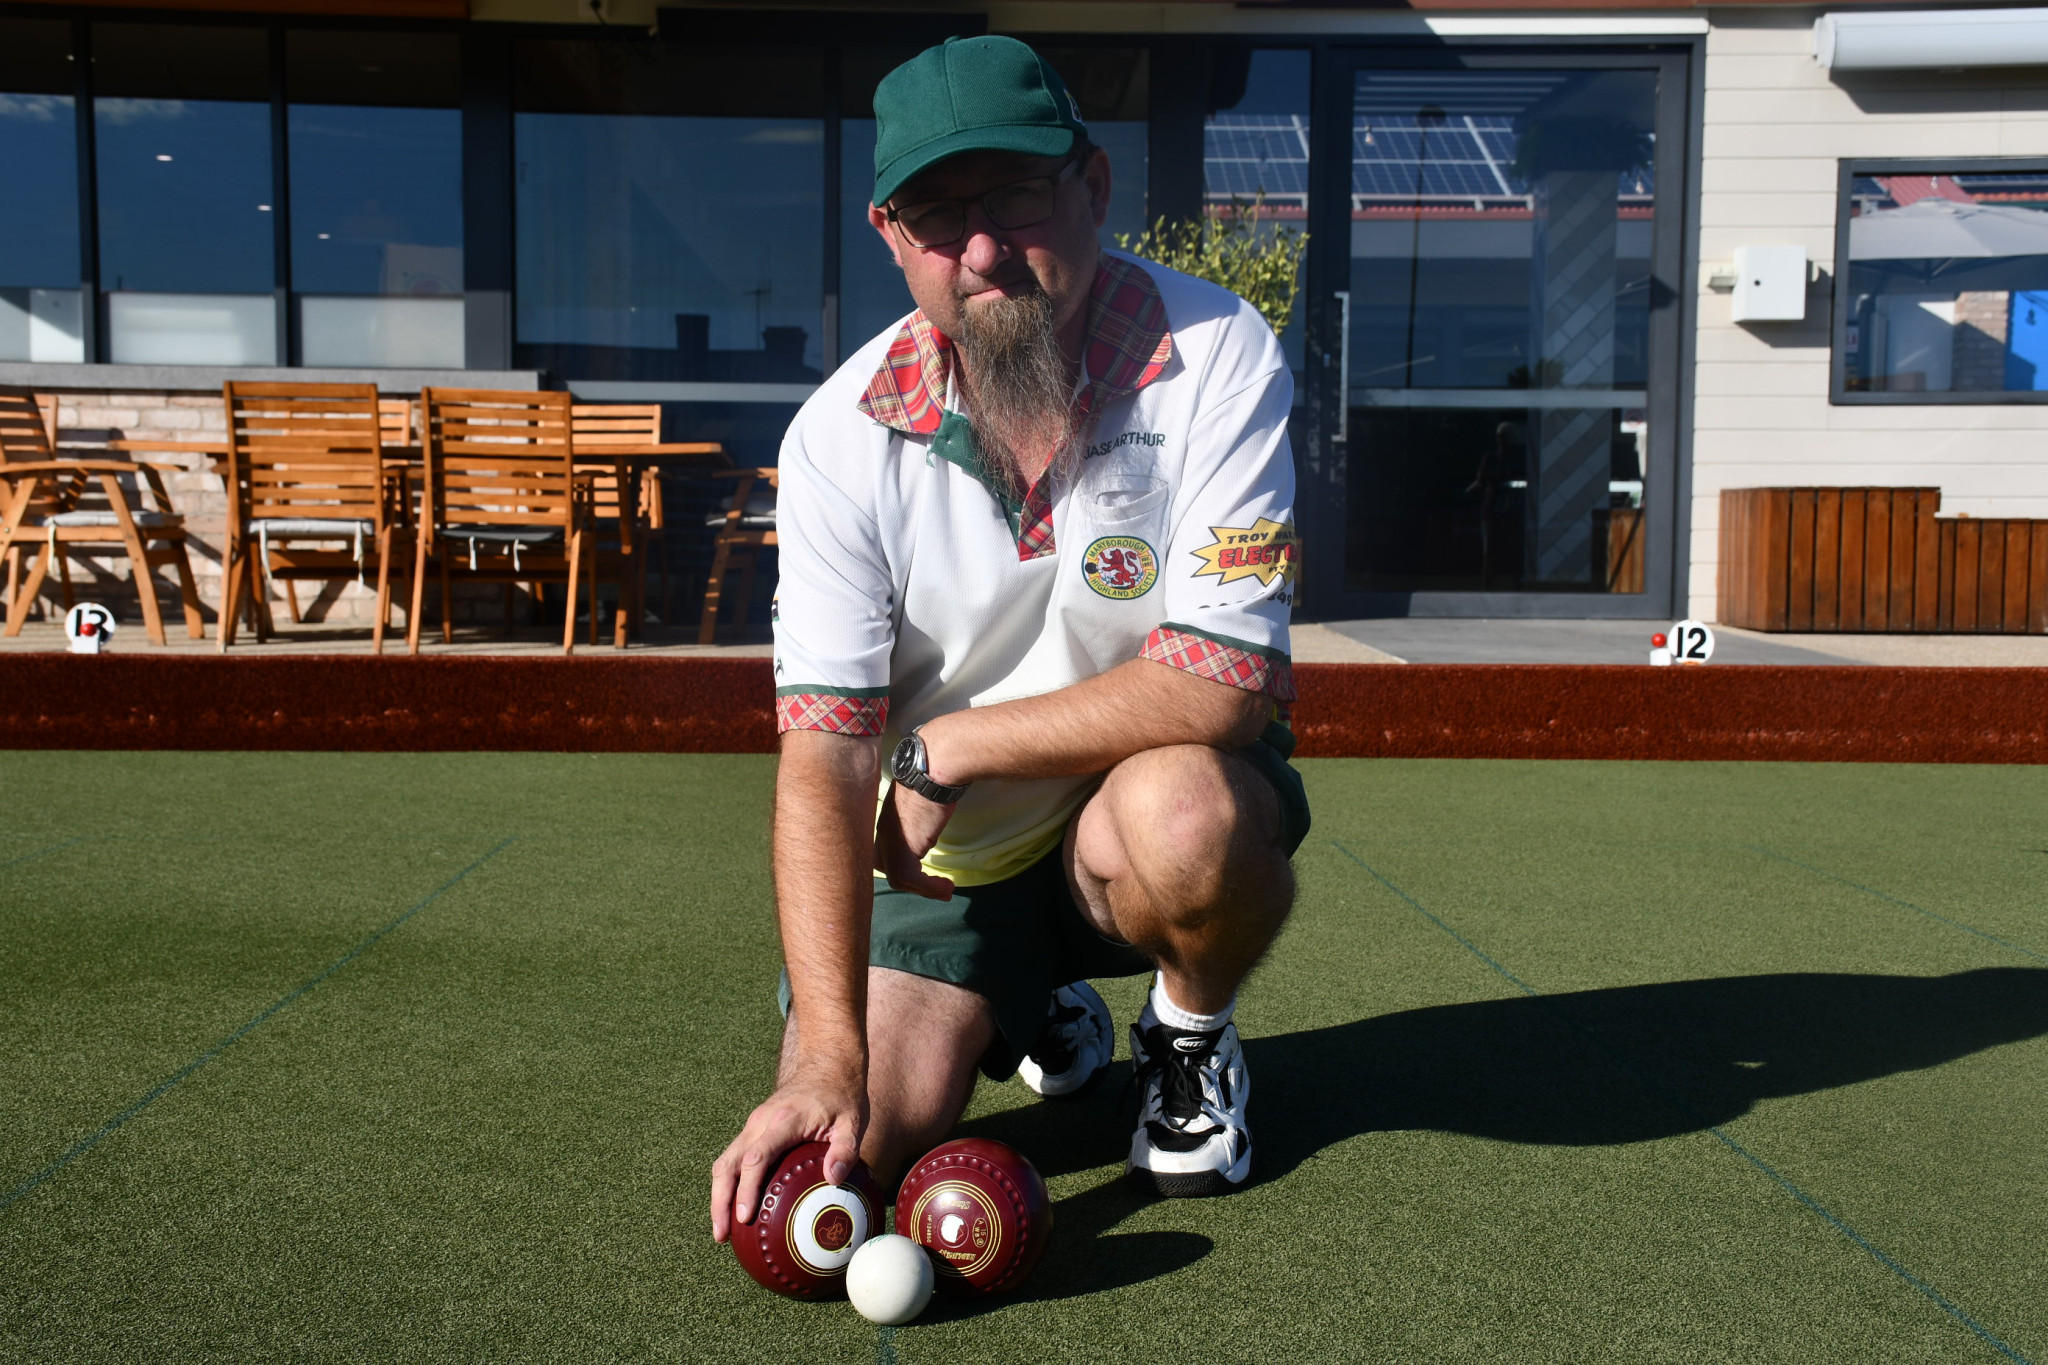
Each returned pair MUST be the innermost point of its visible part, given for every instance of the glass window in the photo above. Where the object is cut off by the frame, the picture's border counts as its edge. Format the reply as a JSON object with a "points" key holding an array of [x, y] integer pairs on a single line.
{"points": [[40, 314], [669, 211], [1256, 151], [1946, 291], [872, 295], [1113, 87], [375, 143], [181, 119], [1501, 229]]}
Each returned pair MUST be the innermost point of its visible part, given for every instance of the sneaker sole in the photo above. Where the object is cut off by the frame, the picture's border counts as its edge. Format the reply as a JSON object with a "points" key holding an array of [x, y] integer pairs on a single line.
{"points": [[1184, 1185]]}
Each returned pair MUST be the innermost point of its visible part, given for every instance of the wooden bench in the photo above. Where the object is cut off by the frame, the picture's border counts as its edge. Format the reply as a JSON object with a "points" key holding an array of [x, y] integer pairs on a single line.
{"points": [[1878, 561]]}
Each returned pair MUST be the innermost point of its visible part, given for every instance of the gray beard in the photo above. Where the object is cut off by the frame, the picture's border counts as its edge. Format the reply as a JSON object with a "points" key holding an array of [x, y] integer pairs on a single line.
{"points": [[1020, 395]]}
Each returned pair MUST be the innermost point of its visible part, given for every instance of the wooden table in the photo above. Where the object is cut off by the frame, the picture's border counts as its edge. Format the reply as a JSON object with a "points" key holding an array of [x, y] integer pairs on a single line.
{"points": [[618, 457]]}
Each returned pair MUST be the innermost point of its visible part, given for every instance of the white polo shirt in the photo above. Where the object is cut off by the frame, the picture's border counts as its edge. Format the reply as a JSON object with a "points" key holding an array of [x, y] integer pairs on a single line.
{"points": [[910, 587]]}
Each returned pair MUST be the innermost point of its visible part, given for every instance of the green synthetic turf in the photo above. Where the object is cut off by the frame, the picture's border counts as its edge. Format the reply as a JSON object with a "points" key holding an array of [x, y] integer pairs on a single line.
{"points": [[1556, 1062]]}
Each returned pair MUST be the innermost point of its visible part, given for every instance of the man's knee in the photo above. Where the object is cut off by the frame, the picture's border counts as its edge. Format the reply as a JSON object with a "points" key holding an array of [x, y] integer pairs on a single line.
{"points": [[1194, 824]]}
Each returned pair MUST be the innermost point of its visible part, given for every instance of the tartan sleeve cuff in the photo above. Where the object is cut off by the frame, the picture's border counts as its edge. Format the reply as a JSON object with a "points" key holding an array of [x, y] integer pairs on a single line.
{"points": [[816, 707], [1237, 663]]}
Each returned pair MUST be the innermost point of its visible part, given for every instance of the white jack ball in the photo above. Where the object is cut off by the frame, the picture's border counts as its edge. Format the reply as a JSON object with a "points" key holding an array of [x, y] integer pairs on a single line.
{"points": [[889, 1279]]}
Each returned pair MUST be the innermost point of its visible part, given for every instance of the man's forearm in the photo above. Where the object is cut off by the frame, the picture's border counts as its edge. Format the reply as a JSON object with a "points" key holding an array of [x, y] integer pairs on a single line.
{"points": [[1093, 725], [824, 859]]}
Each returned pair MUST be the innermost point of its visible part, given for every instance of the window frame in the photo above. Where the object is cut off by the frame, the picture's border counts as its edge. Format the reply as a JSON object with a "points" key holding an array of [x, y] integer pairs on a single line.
{"points": [[1848, 170]]}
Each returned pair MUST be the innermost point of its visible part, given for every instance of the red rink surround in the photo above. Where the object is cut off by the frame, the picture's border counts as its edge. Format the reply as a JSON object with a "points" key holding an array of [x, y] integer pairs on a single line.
{"points": [[707, 705]]}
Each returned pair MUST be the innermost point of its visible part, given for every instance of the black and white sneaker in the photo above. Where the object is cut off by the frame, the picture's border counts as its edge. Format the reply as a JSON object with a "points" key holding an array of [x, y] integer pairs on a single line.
{"points": [[1191, 1138], [1074, 1048]]}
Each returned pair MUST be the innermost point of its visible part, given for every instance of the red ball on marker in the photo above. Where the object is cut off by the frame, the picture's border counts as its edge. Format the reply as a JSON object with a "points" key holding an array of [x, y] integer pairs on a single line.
{"points": [[981, 1210], [807, 1228], [1657, 641]]}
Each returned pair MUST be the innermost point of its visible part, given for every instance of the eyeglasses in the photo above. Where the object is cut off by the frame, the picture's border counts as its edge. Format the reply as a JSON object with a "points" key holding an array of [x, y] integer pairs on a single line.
{"points": [[1019, 204]]}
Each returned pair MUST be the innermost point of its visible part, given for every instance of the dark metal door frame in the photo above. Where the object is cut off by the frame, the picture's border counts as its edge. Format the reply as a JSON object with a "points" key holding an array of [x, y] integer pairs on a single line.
{"points": [[1322, 455]]}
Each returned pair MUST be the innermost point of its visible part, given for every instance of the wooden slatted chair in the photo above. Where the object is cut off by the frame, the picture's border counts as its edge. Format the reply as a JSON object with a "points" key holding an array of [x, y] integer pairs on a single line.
{"points": [[642, 537], [54, 504], [744, 529], [28, 433], [311, 497], [501, 500]]}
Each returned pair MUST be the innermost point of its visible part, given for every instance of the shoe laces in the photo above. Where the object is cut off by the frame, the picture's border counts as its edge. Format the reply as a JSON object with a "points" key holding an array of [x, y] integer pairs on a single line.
{"points": [[1181, 1093]]}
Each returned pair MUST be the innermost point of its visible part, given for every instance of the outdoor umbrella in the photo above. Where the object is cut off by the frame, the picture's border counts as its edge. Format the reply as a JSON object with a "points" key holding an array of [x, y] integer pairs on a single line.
{"points": [[1964, 246]]}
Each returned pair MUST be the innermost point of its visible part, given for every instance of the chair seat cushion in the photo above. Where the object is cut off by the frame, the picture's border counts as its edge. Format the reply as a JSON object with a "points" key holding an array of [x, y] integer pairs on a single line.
{"points": [[759, 515], [504, 535], [104, 519], [336, 527]]}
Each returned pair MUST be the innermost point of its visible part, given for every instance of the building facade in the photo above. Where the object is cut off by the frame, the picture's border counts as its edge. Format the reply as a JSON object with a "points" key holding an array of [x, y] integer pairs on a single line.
{"points": [[1521, 379]]}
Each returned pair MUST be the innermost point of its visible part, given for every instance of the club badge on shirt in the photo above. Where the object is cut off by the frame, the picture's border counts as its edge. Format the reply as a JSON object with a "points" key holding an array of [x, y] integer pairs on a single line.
{"points": [[1264, 550], [1121, 567]]}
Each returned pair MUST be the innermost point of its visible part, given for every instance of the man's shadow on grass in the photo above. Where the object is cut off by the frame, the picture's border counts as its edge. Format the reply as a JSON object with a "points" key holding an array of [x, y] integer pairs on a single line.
{"points": [[1588, 1068]]}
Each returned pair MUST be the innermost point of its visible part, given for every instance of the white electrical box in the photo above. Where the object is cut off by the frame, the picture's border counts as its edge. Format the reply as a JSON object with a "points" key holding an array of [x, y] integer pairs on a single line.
{"points": [[1770, 284]]}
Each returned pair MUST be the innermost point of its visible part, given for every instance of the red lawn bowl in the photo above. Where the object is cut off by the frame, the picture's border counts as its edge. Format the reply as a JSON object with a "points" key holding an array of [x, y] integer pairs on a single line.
{"points": [[982, 1212], [807, 1228]]}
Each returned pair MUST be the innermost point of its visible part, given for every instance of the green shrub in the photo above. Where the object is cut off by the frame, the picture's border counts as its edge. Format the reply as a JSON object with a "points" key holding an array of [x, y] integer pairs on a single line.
{"points": [[1261, 265]]}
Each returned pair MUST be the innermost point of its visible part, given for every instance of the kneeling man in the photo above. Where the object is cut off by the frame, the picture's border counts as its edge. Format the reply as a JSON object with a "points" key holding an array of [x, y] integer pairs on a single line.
{"points": [[1037, 559]]}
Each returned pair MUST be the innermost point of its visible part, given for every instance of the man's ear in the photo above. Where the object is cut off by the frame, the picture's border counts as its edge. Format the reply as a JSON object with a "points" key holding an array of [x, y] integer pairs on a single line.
{"points": [[1098, 180], [879, 220]]}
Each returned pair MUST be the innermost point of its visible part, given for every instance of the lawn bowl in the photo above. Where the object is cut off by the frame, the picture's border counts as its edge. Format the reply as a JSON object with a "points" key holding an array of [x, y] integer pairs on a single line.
{"points": [[807, 1228], [982, 1212]]}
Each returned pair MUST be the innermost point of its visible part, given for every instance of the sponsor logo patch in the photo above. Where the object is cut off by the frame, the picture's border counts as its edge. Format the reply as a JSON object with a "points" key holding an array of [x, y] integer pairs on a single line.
{"points": [[1265, 550], [1121, 567]]}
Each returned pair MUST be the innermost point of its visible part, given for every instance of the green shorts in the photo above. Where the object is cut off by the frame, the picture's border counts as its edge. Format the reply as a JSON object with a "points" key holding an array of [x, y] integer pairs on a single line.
{"points": [[1016, 941]]}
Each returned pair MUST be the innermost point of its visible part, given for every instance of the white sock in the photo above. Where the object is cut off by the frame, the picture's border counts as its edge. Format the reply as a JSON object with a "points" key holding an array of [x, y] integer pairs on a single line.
{"points": [[1161, 1009]]}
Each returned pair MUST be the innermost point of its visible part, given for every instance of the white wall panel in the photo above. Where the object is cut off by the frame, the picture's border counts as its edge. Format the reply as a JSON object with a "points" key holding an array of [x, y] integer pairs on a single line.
{"points": [[1775, 125]]}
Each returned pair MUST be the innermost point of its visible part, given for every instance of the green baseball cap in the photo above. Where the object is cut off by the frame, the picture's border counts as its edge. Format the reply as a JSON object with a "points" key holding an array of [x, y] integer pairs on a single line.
{"points": [[986, 94]]}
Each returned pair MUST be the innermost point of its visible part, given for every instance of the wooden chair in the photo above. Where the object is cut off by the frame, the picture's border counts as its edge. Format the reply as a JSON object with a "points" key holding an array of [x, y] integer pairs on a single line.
{"points": [[28, 433], [501, 500], [84, 503], [305, 470], [394, 422], [623, 540], [745, 528]]}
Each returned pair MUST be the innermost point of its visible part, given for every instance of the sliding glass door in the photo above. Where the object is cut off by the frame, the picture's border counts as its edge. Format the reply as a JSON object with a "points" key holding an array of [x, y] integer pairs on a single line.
{"points": [[1499, 246]]}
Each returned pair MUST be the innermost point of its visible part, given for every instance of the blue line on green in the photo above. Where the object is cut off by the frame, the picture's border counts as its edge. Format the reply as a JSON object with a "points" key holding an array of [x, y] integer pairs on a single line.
{"points": [[1680, 1104], [1916, 909], [105, 1130], [42, 852], [885, 1346]]}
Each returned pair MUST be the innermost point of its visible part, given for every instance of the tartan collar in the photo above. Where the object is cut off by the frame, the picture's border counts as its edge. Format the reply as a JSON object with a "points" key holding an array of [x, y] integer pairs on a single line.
{"points": [[1128, 346]]}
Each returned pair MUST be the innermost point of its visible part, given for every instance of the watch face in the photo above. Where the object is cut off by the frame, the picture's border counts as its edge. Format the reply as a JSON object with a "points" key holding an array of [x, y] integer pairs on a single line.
{"points": [[905, 762]]}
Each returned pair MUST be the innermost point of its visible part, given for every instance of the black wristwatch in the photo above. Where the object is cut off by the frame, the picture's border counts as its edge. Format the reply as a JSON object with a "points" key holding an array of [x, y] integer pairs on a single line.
{"points": [[909, 767]]}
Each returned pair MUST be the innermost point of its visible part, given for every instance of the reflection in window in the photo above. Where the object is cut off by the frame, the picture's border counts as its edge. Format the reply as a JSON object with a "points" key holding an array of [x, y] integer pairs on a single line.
{"points": [[872, 295], [376, 192], [1256, 151], [669, 218], [1948, 284], [1113, 87], [1501, 232], [182, 124], [1452, 499], [40, 314], [1470, 193]]}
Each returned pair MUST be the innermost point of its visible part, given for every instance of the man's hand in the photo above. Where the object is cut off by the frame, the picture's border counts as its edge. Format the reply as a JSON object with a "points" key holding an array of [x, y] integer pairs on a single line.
{"points": [[909, 825], [801, 1110]]}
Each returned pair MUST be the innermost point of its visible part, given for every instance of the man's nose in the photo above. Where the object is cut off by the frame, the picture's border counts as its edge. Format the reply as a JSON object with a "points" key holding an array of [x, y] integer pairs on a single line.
{"points": [[984, 246]]}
